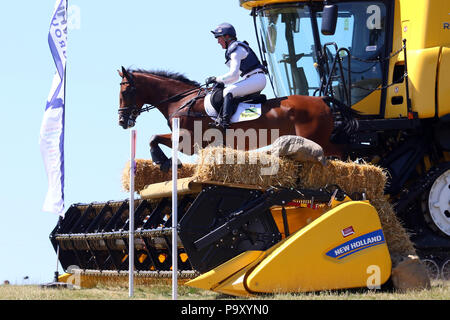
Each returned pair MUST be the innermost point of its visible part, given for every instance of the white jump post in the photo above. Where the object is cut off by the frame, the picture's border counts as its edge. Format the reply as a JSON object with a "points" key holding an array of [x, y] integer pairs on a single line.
{"points": [[131, 215], [175, 139]]}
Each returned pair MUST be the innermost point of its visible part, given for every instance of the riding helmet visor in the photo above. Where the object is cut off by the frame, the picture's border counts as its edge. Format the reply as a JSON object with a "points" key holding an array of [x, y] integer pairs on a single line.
{"points": [[224, 29]]}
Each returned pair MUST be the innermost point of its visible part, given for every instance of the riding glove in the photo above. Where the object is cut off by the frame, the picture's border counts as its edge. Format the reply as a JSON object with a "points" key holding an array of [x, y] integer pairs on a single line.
{"points": [[210, 80]]}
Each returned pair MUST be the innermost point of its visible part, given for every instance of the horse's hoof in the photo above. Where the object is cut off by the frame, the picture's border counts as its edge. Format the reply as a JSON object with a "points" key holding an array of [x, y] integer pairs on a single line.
{"points": [[167, 165]]}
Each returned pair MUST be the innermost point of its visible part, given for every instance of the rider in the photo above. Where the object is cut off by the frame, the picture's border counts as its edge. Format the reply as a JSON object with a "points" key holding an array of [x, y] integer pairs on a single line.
{"points": [[239, 57]]}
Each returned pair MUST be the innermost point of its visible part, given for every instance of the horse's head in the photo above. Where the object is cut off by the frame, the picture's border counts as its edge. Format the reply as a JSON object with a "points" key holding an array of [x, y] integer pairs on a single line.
{"points": [[128, 109]]}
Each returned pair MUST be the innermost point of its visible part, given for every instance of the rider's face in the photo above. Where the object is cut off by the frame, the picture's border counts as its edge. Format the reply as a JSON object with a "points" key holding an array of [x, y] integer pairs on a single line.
{"points": [[222, 42]]}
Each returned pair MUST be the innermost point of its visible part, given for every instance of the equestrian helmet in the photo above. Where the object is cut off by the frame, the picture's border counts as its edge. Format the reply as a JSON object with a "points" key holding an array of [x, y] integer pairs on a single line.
{"points": [[224, 29]]}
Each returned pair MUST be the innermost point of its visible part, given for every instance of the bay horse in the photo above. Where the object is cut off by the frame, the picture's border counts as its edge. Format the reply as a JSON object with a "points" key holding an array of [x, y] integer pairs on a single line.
{"points": [[176, 96]]}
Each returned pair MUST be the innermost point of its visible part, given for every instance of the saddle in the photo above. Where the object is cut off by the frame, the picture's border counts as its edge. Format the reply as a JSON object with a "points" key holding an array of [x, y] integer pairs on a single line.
{"points": [[217, 99]]}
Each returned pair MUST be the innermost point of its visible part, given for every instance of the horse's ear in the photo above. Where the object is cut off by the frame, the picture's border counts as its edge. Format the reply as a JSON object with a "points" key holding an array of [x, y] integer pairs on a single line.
{"points": [[120, 73], [127, 75]]}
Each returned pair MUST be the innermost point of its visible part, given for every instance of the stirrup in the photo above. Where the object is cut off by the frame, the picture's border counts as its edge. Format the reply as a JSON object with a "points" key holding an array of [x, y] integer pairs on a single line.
{"points": [[213, 124], [219, 124], [223, 124]]}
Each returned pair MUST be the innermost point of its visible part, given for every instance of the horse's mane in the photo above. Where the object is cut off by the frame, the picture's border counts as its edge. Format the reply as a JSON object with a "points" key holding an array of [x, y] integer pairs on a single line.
{"points": [[167, 74]]}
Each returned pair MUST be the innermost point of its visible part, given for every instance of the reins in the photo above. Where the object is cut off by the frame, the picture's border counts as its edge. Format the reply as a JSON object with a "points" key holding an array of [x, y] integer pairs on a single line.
{"points": [[177, 97], [200, 94]]}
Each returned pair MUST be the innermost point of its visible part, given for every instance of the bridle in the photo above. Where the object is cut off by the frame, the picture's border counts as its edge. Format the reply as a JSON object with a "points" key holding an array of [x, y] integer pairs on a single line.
{"points": [[131, 112]]}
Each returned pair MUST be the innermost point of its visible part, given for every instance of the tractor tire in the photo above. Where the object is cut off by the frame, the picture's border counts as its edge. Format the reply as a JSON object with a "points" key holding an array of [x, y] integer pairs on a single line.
{"points": [[435, 202]]}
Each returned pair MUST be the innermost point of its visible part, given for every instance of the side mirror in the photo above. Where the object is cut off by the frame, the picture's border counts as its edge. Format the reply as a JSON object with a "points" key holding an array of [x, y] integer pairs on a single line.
{"points": [[329, 19]]}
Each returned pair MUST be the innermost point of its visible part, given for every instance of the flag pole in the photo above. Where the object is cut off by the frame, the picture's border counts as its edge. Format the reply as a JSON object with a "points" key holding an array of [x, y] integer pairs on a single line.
{"points": [[131, 216], [56, 277], [63, 120], [175, 139]]}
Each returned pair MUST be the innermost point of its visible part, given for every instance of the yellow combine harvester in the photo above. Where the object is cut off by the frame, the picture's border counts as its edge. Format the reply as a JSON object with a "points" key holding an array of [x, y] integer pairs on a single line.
{"points": [[388, 60]]}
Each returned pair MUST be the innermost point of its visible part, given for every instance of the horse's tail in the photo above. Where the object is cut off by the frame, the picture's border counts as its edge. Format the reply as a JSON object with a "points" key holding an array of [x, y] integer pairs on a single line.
{"points": [[346, 122]]}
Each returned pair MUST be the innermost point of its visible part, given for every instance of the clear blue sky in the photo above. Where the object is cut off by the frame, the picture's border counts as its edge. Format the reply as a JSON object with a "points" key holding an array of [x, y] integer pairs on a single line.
{"points": [[170, 35]]}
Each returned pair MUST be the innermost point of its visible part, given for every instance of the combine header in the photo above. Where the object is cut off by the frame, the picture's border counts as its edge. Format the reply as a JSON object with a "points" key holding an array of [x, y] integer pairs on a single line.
{"points": [[235, 238], [223, 230]]}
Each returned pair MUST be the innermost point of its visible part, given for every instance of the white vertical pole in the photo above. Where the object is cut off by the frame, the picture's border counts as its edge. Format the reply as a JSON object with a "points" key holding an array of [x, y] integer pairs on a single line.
{"points": [[131, 216], [175, 139]]}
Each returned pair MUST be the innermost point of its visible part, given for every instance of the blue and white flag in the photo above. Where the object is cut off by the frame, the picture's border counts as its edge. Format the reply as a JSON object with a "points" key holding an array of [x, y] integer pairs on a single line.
{"points": [[51, 138]]}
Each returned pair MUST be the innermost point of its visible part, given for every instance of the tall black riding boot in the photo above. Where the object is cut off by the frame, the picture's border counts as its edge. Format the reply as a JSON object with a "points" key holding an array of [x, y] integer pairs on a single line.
{"points": [[227, 111]]}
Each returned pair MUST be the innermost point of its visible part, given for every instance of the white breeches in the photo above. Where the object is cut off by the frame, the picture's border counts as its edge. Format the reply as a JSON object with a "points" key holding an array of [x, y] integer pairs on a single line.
{"points": [[254, 83]]}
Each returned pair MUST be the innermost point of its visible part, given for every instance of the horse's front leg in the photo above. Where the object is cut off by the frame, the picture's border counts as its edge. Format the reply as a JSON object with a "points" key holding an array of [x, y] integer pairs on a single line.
{"points": [[157, 154]]}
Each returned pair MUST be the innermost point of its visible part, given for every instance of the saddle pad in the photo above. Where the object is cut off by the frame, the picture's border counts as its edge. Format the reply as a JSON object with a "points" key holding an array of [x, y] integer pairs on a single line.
{"points": [[244, 111]]}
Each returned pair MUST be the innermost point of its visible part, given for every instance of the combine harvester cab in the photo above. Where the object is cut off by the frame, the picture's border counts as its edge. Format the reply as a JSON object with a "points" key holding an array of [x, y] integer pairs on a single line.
{"points": [[233, 238]]}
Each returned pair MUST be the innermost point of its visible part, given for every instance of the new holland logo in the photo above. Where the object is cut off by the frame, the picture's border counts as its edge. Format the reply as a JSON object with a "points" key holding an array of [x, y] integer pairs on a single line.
{"points": [[347, 231], [363, 242]]}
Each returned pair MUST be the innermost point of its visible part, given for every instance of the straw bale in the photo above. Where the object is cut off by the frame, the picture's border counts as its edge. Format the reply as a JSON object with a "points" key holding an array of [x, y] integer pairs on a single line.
{"points": [[350, 176], [147, 172], [397, 238], [245, 167]]}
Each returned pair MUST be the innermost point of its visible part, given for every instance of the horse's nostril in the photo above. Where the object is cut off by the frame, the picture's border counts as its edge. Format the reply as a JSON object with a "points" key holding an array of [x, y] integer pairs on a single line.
{"points": [[123, 123]]}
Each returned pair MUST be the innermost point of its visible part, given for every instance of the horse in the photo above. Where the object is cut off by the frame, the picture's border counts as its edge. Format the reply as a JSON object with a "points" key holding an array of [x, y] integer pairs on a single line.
{"points": [[174, 95]]}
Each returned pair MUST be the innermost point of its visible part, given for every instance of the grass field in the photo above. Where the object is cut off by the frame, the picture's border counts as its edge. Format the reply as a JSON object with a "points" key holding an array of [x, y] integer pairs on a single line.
{"points": [[440, 290]]}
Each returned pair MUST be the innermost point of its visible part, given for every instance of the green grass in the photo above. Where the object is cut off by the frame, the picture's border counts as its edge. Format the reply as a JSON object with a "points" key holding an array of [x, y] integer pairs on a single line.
{"points": [[440, 290]]}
